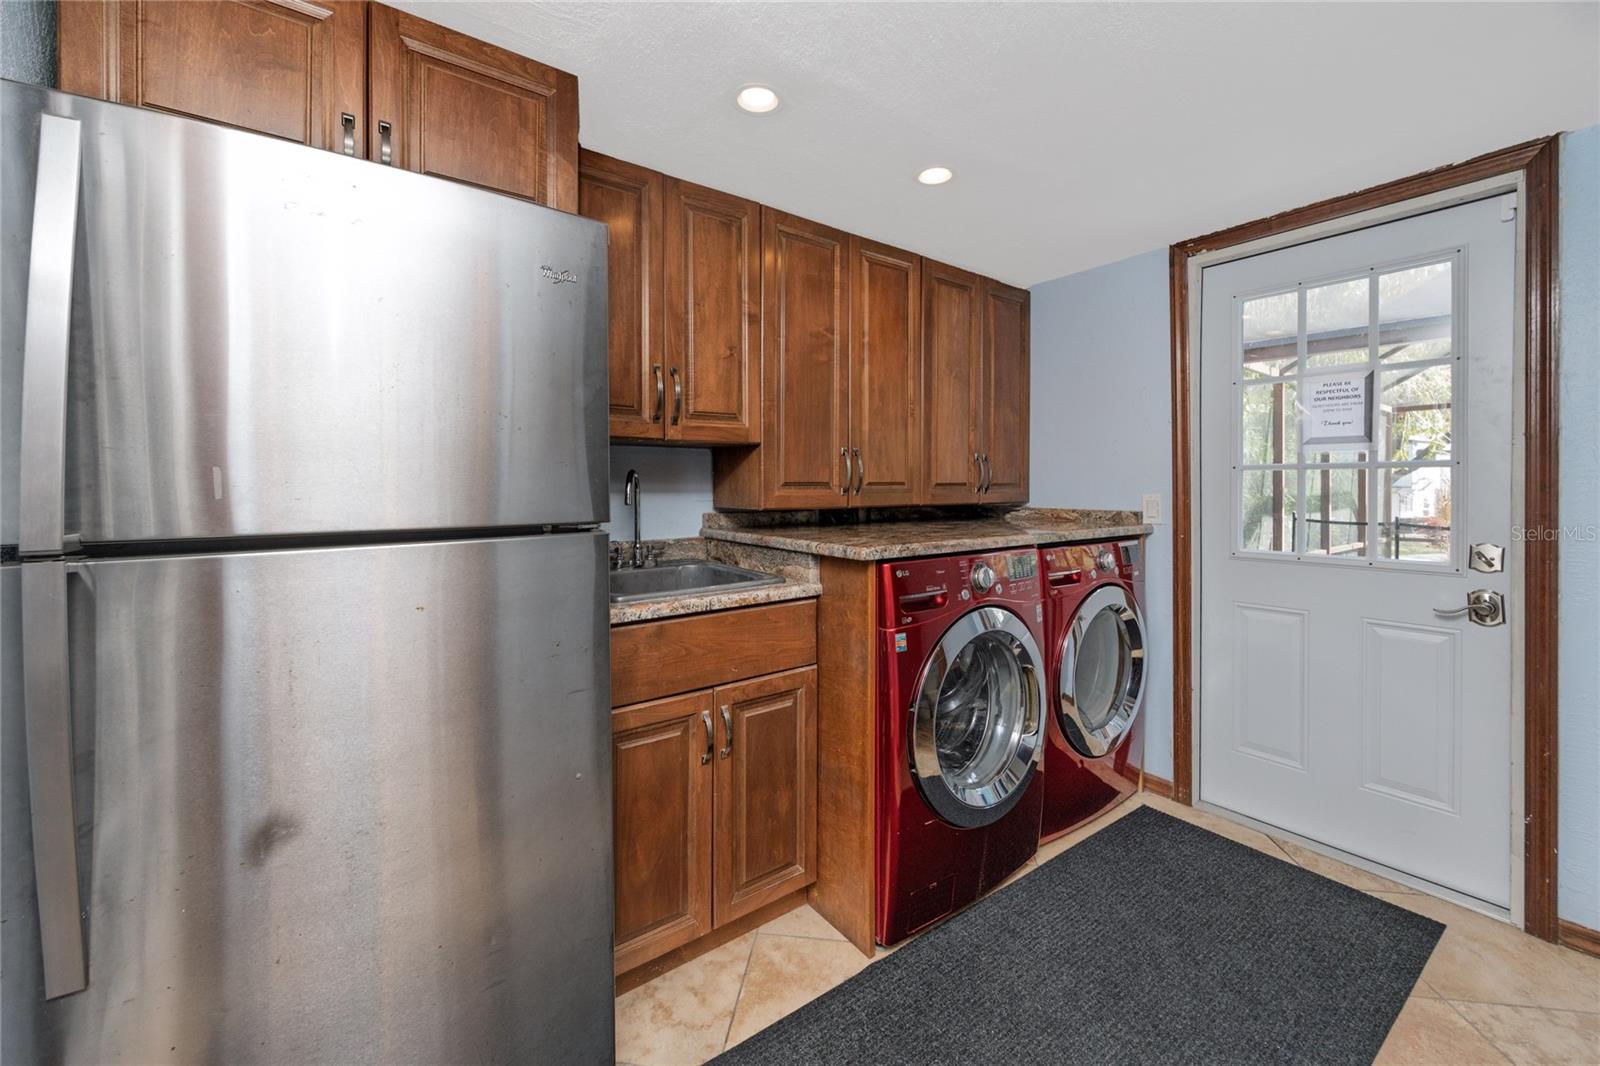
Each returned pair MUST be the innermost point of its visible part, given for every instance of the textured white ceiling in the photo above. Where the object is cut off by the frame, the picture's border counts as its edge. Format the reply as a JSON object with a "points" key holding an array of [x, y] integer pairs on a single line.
{"points": [[1079, 133]]}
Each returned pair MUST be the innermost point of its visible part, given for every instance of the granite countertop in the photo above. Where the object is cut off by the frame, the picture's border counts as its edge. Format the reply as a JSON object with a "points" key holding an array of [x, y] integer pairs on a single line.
{"points": [[799, 573], [873, 541], [700, 602]]}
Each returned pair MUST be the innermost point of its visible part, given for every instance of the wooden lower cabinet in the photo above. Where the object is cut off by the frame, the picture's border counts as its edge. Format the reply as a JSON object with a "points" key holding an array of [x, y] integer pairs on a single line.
{"points": [[715, 808], [766, 796], [662, 780]]}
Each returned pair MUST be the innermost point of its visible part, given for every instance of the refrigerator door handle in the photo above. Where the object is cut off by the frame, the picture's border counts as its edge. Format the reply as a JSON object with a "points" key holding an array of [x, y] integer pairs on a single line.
{"points": [[47, 711], [42, 455]]}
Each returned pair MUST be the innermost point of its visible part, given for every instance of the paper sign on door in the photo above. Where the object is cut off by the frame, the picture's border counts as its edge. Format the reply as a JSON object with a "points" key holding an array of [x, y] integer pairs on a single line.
{"points": [[1335, 409]]}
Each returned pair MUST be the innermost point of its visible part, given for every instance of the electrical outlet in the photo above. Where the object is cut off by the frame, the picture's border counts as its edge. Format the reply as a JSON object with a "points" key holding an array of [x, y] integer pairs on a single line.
{"points": [[1152, 507]]}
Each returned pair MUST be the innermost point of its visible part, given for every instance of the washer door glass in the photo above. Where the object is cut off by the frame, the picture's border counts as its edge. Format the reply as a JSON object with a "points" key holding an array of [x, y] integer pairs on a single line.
{"points": [[1101, 686], [976, 734]]}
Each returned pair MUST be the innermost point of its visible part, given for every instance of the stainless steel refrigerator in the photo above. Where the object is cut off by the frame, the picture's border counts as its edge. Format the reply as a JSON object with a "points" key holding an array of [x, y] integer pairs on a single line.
{"points": [[305, 645]]}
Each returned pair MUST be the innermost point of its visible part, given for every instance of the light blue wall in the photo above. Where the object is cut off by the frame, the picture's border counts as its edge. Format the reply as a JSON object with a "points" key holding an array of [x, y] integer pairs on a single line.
{"points": [[677, 490], [1578, 840], [1101, 432], [28, 41]]}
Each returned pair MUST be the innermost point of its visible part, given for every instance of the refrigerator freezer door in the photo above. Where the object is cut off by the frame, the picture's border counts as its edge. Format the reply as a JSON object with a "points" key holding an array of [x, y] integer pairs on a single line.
{"points": [[22, 977], [269, 340], [339, 805]]}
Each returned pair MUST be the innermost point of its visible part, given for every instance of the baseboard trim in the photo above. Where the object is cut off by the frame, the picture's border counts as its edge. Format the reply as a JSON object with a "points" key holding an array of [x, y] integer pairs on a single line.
{"points": [[1159, 786], [648, 971], [1580, 937]]}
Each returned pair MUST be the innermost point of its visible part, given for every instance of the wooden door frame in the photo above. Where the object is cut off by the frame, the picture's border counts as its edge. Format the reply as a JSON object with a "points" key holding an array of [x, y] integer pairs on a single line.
{"points": [[1533, 165]]}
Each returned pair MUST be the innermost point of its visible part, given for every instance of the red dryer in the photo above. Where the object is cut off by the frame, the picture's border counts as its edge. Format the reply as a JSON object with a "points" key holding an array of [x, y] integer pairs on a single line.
{"points": [[1095, 641], [961, 732]]}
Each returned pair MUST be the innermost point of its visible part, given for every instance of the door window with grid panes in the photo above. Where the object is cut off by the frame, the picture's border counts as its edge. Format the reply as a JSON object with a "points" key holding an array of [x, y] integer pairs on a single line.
{"points": [[1380, 492]]}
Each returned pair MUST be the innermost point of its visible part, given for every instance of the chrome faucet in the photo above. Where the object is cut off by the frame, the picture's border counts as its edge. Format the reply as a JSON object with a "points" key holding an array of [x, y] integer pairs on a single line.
{"points": [[630, 498]]}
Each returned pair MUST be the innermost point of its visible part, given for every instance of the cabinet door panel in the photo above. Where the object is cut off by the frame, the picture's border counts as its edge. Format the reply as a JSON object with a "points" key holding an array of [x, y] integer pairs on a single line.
{"points": [[628, 199], [459, 108], [766, 792], [281, 67], [662, 826], [713, 287], [886, 373], [805, 353], [951, 383], [1005, 392]]}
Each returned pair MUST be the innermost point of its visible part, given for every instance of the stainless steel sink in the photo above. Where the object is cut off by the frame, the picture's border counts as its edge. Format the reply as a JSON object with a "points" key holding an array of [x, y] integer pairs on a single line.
{"points": [[682, 576]]}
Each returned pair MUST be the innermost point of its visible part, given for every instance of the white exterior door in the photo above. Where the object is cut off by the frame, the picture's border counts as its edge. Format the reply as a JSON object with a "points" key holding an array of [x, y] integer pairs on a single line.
{"points": [[1356, 420]]}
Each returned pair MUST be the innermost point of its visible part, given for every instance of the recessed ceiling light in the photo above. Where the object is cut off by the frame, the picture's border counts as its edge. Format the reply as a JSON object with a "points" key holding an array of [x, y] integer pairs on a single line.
{"points": [[935, 176], [757, 99]]}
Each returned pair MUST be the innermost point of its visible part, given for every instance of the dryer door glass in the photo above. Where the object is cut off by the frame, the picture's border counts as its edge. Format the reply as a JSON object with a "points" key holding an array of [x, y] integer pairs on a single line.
{"points": [[979, 709], [1102, 668], [1101, 686]]}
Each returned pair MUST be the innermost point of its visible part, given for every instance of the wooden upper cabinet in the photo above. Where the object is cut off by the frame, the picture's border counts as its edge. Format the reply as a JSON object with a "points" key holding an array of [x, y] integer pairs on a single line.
{"points": [[951, 383], [289, 68], [441, 102], [805, 362], [766, 795], [712, 282], [885, 373], [661, 768], [629, 200], [1004, 415], [455, 107]]}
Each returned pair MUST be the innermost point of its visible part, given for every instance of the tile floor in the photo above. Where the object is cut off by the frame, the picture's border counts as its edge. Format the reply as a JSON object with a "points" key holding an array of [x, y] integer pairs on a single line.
{"points": [[1489, 994]]}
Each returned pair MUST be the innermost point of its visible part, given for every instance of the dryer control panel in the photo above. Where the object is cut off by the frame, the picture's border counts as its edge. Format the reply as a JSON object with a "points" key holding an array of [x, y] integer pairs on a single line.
{"points": [[1085, 563]]}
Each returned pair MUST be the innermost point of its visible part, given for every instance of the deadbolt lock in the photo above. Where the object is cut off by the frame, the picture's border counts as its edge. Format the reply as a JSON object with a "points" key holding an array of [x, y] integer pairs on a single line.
{"points": [[1487, 558]]}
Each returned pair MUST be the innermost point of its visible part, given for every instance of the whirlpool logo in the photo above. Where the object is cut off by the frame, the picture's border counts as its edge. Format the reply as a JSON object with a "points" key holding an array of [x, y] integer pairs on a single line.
{"points": [[559, 277]]}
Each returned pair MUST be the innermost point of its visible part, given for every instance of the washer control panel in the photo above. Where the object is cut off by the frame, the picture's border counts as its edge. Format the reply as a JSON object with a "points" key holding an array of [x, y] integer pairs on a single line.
{"points": [[915, 588], [1011, 573]]}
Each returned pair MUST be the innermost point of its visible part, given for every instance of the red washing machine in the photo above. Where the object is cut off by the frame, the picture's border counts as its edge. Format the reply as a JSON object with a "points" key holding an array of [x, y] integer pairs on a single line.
{"points": [[961, 732], [1095, 638]]}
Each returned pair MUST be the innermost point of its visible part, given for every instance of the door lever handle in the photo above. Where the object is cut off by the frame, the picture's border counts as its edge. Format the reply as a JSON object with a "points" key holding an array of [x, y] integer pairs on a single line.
{"points": [[1483, 606]]}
